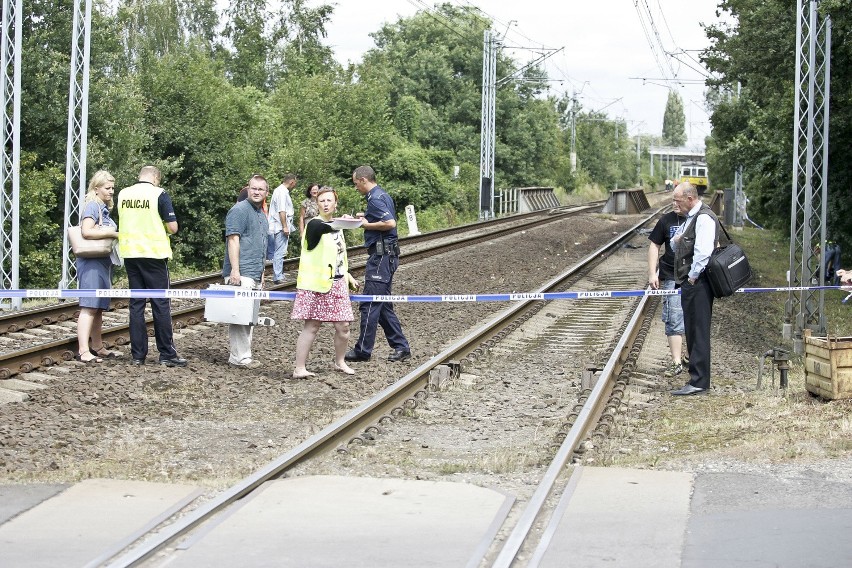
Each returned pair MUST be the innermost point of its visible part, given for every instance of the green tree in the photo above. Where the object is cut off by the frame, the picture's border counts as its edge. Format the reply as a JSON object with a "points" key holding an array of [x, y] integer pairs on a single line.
{"points": [[439, 65], [329, 127], [150, 29], [753, 61], [674, 121], [40, 249], [208, 136], [298, 42], [248, 62], [441, 68]]}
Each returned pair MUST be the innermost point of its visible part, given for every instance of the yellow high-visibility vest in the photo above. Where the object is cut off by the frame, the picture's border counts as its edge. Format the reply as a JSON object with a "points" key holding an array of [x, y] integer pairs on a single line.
{"points": [[141, 232], [316, 267]]}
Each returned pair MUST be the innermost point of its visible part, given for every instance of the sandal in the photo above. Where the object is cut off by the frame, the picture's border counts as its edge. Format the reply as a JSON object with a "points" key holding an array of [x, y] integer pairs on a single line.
{"points": [[107, 353], [94, 359]]}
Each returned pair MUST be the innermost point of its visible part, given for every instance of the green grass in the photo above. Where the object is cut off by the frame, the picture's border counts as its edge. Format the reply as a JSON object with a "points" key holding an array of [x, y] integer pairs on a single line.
{"points": [[769, 255], [740, 422]]}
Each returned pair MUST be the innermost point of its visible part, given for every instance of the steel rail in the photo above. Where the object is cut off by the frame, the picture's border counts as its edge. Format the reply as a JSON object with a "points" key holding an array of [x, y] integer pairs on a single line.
{"points": [[587, 418], [365, 415], [51, 353], [67, 310]]}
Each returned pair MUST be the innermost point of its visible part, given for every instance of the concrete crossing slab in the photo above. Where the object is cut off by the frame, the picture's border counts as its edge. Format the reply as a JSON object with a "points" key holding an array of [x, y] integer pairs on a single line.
{"points": [[769, 520], [329, 521], [618, 517], [88, 521], [16, 499]]}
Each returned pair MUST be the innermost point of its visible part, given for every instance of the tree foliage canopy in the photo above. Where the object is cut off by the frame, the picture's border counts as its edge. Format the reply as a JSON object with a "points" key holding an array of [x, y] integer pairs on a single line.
{"points": [[211, 98], [674, 121], [753, 62]]}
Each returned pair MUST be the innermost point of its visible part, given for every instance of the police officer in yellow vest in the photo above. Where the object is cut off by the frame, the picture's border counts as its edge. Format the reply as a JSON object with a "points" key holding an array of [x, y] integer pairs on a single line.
{"points": [[146, 218]]}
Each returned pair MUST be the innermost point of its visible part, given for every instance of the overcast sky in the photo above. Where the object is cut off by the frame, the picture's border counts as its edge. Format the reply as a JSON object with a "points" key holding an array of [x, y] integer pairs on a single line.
{"points": [[605, 47]]}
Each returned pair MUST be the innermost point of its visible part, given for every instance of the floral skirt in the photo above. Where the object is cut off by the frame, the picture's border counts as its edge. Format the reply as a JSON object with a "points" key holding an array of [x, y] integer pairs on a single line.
{"points": [[333, 305]]}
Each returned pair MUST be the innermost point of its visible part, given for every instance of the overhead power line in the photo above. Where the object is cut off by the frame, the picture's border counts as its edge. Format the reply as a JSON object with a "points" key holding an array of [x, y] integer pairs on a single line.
{"points": [[495, 20], [532, 63], [666, 80], [657, 37], [650, 41], [438, 17]]}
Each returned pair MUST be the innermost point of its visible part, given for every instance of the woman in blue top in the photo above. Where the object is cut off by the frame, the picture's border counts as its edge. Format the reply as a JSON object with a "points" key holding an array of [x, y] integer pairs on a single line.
{"points": [[95, 223]]}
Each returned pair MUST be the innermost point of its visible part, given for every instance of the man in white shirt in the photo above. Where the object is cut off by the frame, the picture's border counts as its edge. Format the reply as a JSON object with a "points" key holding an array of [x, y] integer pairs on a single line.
{"points": [[693, 243], [281, 224]]}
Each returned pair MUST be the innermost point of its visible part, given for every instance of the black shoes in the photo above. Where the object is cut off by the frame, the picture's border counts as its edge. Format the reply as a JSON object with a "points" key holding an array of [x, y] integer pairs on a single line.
{"points": [[174, 362], [399, 355], [353, 357], [687, 390]]}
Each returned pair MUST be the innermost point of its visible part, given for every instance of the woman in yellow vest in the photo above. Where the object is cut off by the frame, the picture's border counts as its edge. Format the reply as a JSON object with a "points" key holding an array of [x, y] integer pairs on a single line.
{"points": [[322, 286]]}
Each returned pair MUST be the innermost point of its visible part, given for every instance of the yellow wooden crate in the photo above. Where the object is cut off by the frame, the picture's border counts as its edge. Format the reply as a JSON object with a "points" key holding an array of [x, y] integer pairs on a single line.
{"points": [[828, 366]]}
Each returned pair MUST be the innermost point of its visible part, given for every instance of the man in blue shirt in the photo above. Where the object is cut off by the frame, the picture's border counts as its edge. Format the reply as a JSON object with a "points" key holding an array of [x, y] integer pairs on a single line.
{"points": [[380, 239], [246, 228]]}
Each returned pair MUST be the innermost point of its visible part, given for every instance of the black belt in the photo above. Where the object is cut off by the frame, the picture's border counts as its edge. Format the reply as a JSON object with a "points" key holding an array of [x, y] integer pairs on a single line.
{"points": [[384, 248]]}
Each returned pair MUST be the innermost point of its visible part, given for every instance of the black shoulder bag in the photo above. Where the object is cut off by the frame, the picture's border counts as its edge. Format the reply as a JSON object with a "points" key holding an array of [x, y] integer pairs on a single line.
{"points": [[728, 269]]}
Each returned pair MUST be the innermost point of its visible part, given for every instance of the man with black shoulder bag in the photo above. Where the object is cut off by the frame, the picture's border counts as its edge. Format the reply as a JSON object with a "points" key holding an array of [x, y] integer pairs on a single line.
{"points": [[693, 244]]}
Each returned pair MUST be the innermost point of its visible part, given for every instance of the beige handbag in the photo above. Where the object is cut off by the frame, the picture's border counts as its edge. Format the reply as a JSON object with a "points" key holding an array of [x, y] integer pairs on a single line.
{"points": [[89, 248]]}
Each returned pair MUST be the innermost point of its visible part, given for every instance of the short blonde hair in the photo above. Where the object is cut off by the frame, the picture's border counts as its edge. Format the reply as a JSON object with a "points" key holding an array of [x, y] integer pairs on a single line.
{"points": [[328, 189]]}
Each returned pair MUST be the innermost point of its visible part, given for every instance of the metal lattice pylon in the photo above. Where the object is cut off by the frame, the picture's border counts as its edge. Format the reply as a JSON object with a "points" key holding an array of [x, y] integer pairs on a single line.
{"points": [[805, 308], [739, 198], [78, 124], [10, 169], [489, 99]]}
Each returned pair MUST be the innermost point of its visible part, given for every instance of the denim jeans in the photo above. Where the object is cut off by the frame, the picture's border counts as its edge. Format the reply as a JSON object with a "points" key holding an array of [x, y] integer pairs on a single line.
{"points": [[270, 247], [672, 311], [832, 264], [281, 241]]}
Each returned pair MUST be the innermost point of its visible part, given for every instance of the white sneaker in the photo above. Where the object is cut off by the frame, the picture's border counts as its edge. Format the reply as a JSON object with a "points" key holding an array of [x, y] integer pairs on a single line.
{"points": [[250, 364], [673, 370], [264, 321]]}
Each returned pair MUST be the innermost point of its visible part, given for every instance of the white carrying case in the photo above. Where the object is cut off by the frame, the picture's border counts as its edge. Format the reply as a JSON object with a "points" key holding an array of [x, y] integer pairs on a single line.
{"points": [[240, 311]]}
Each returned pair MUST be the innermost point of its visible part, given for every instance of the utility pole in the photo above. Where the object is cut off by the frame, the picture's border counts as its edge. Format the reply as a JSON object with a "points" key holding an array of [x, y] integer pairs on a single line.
{"points": [[805, 308], [638, 162], [490, 84], [78, 126], [739, 197], [574, 130], [489, 99], [10, 165]]}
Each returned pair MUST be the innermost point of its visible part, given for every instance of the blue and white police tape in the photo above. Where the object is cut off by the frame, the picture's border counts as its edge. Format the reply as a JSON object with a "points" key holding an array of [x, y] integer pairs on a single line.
{"points": [[272, 295]]}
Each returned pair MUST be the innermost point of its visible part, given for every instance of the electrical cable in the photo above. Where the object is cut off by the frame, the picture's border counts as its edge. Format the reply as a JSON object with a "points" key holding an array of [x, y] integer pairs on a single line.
{"points": [[438, 17]]}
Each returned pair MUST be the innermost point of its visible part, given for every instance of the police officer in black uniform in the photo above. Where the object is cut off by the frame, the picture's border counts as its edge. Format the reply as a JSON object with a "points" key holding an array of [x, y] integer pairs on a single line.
{"points": [[380, 239]]}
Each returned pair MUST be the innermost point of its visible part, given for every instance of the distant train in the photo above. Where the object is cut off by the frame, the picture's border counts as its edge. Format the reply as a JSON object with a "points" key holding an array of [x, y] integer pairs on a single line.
{"points": [[696, 174]]}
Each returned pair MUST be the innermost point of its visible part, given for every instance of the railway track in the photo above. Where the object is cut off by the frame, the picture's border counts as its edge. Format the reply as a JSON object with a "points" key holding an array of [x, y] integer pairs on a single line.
{"points": [[28, 319], [520, 326], [33, 339]]}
